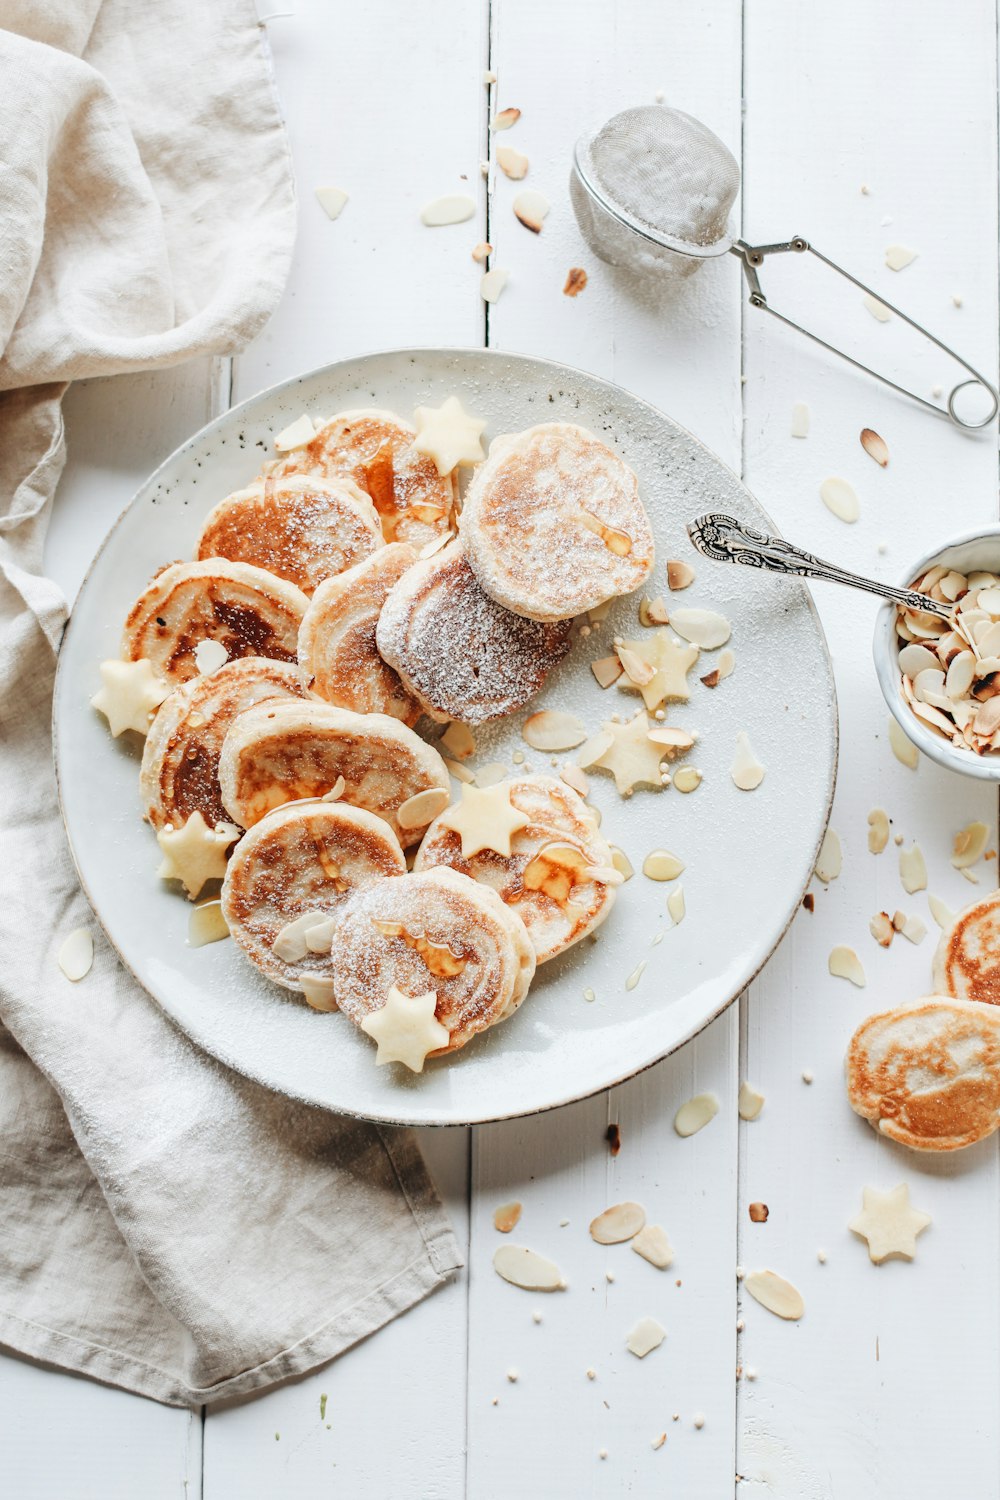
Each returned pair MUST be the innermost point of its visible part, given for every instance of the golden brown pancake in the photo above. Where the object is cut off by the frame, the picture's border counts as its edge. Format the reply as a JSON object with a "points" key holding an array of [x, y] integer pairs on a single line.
{"points": [[302, 528], [967, 960], [180, 759], [249, 612], [375, 449], [458, 652], [927, 1073]]}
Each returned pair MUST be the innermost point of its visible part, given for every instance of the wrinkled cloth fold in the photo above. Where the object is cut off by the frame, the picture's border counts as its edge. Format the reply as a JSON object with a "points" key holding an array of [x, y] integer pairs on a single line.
{"points": [[167, 1226]]}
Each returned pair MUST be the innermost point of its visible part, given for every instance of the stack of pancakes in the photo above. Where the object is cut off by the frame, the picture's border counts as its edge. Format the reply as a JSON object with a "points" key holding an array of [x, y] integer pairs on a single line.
{"points": [[348, 593]]}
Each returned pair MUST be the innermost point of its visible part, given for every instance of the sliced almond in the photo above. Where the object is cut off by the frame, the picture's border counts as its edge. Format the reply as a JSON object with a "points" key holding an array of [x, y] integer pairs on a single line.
{"points": [[422, 808], [490, 774], [531, 209], [660, 864], [912, 929], [76, 954], [746, 770], [680, 575], [576, 280], [336, 791], [621, 862], [551, 730], [296, 435], [511, 163], [653, 1245], [711, 679], [452, 208], [942, 914], [317, 991], [776, 1294], [458, 741], [987, 720], [675, 741], [607, 670], [702, 627], [800, 420], [506, 1217], [878, 309], [460, 772], [696, 1114], [593, 749], [653, 612], [898, 257], [844, 963], [969, 843], [290, 945], [527, 1269], [881, 929], [687, 778], [618, 1223], [903, 749], [482, 251], [435, 545], [505, 118], [493, 283], [840, 498], [750, 1102], [961, 674], [206, 924], [331, 200], [636, 670], [575, 778], [912, 869], [644, 1337], [878, 830], [914, 659], [875, 446], [727, 662]]}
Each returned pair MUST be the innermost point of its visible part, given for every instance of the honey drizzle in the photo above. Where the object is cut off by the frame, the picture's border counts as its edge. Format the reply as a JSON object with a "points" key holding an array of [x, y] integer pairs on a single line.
{"points": [[554, 871], [618, 542], [440, 960]]}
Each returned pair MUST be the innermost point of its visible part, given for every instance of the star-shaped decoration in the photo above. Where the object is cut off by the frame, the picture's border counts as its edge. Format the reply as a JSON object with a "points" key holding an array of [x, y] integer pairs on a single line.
{"points": [[484, 819], [889, 1224], [129, 695], [448, 435], [632, 757], [670, 661], [195, 853], [406, 1029]]}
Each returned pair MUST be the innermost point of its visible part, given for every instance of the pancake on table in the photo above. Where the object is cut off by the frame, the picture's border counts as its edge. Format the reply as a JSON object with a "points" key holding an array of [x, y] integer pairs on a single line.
{"points": [[459, 653], [553, 525], [375, 448], [967, 959], [248, 611], [927, 1074], [433, 932], [301, 527], [281, 752], [338, 656], [305, 857], [180, 758], [558, 877]]}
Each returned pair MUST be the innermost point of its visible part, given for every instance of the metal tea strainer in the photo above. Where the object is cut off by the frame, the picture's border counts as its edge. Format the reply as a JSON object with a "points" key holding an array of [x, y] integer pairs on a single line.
{"points": [[652, 191]]}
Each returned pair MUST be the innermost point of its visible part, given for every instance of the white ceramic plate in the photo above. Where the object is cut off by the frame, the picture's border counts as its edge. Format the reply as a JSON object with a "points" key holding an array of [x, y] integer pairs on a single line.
{"points": [[748, 856]]}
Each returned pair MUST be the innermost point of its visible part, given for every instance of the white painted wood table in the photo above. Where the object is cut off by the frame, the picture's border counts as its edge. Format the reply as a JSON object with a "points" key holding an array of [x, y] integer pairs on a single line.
{"points": [[859, 125]]}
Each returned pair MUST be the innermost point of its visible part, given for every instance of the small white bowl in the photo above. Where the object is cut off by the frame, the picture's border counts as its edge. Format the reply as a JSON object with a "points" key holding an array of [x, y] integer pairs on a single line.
{"points": [[967, 553]]}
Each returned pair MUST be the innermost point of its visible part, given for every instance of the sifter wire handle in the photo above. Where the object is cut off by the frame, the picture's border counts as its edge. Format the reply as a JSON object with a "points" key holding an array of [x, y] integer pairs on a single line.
{"points": [[753, 256]]}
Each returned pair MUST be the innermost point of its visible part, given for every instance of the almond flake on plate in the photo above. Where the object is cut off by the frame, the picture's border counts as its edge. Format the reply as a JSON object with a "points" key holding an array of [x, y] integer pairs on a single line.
{"points": [[653, 612], [726, 663], [912, 869], [800, 420], [296, 435], [452, 208], [776, 1294], [607, 670], [680, 575], [969, 845], [875, 446], [209, 656], [550, 730], [653, 1245], [898, 257], [750, 1102], [462, 773], [702, 627], [746, 770], [76, 954], [575, 778], [878, 830], [576, 280], [331, 200], [636, 670], [505, 118], [830, 860], [531, 209], [618, 1223], [675, 741], [506, 1217], [942, 914], [840, 498], [644, 1337], [696, 1114], [317, 991], [493, 283], [844, 963], [878, 309], [458, 741], [511, 163], [482, 251], [527, 1269], [882, 929], [903, 749], [911, 927]]}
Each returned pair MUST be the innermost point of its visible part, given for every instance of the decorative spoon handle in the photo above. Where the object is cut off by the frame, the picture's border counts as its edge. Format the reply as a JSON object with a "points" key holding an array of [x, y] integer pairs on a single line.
{"points": [[724, 539]]}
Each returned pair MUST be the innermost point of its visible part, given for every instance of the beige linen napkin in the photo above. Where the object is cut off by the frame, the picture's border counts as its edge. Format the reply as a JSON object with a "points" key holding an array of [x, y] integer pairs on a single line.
{"points": [[165, 1225]]}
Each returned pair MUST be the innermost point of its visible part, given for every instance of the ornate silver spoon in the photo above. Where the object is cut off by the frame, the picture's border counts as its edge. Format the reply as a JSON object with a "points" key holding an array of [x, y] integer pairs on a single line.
{"points": [[724, 539]]}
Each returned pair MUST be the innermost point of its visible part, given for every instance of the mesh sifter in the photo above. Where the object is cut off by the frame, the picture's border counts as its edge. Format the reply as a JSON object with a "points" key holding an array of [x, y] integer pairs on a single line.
{"points": [[652, 191]]}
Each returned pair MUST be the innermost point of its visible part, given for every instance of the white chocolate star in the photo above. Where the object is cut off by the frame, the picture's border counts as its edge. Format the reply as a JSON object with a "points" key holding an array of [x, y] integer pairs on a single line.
{"points": [[889, 1224], [632, 757], [671, 660], [195, 853], [406, 1029], [448, 435], [130, 694], [484, 819]]}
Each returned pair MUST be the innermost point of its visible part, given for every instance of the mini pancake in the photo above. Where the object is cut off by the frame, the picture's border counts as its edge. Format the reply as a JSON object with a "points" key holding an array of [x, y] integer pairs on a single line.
{"points": [[435, 931], [338, 657], [281, 752], [249, 612], [459, 653], [302, 528], [545, 880], [180, 759], [927, 1073], [967, 960], [375, 449], [553, 523], [303, 857]]}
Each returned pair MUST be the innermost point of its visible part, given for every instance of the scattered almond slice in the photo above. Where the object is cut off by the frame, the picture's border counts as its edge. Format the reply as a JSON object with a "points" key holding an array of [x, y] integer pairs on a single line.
{"points": [[606, 670], [644, 1337], [531, 209], [511, 163], [898, 257], [882, 929], [776, 1294], [750, 1102], [527, 1269], [592, 750], [878, 309], [209, 656], [482, 251], [331, 200], [653, 612], [458, 741], [800, 420], [914, 659], [435, 545], [840, 498], [687, 778], [844, 963], [653, 1245], [662, 865], [551, 730], [903, 749], [296, 435], [726, 663], [505, 118], [680, 575], [702, 627], [490, 774], [830, 860], [290, 945], [206, 924], [912, 869], [878, 830], [942, 914], [336, 791], [317, 991], [576, 280], [422, 808], [675, 741], [575, 778], [76, 954], [911, 928], [676, 908], [746, 770], [462, 773], [696, 1114], [618, 1223], [621, 862], [493, 283], [711, 679], [638, 672], [969, 845], [875, 446], [506, 1217], [452, 208]]}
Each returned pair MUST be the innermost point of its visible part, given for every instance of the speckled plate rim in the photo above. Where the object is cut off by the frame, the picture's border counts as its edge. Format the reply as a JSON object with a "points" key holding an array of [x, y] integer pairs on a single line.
{"points": [[559, 370]]}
